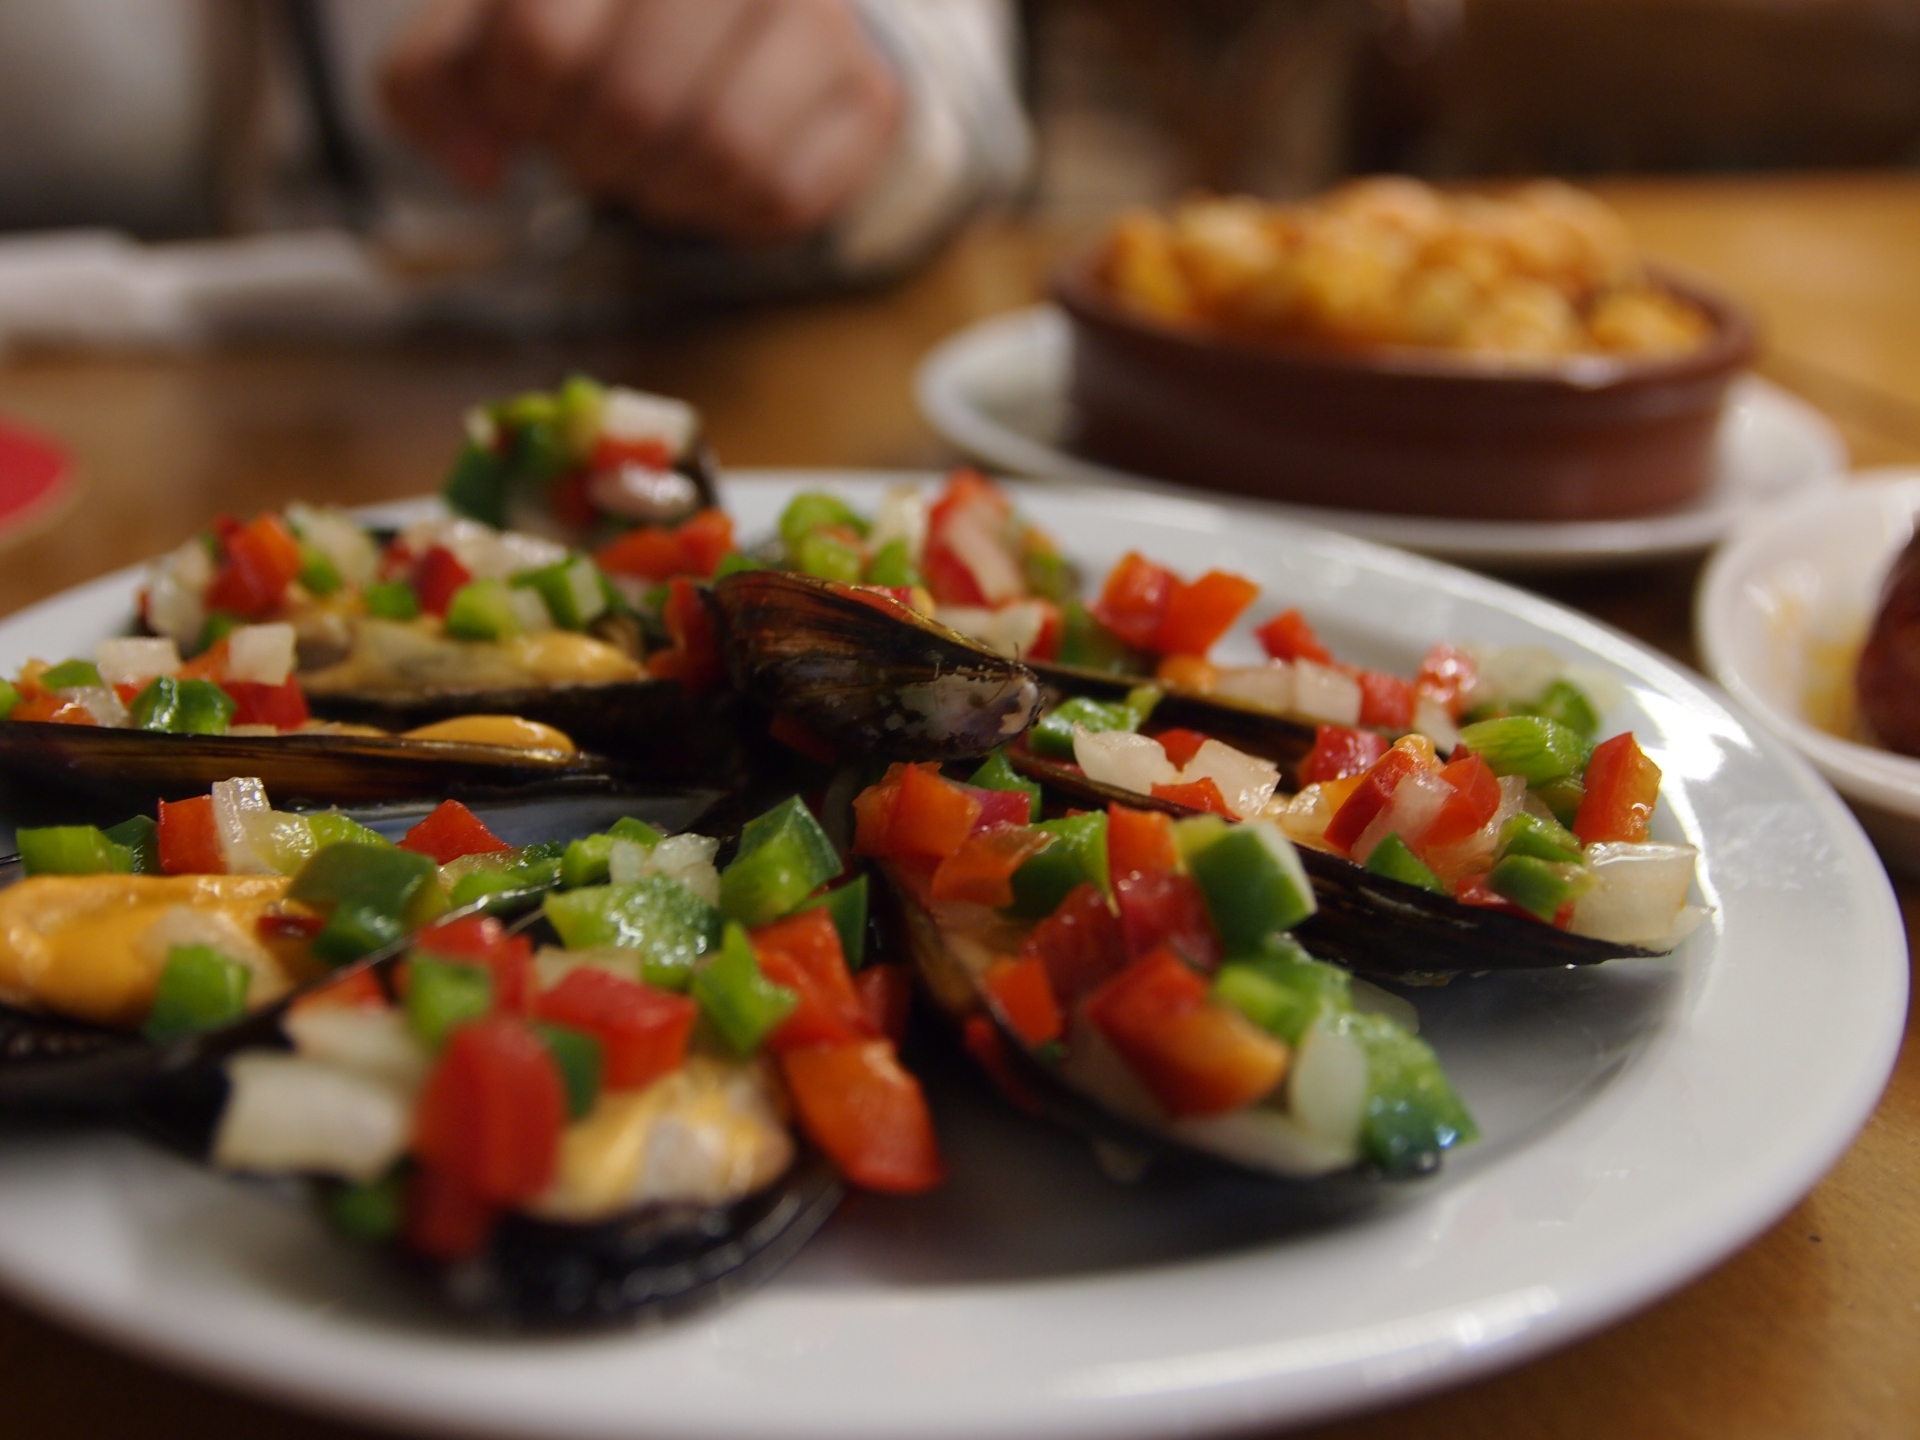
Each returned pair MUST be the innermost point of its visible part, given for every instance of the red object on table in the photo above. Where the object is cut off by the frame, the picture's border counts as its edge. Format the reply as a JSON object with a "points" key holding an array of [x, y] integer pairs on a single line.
{"points": [[36, 475]]}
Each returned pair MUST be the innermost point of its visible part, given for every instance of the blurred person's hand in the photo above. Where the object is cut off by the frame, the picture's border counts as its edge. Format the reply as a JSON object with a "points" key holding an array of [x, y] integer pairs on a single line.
{"points": [[746, 119]]}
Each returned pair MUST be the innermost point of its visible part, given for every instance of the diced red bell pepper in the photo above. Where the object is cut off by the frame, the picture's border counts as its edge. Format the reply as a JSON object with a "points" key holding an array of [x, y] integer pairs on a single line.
{"points": [[649, 552], [1000, 807], [1197, 615], [1180, 745], [1080, 944], [1370, 797], [1167, 908], [695, 659], [706, 538], [261, 560], [980, 872], [949, 579], [570, 502], [1622, 787], [54, 710], [867, 1113], [451, 831], [188, 839], [783, 729], [445, 1220], [931, 818], [886, 993], [982, 1040], [1134, 600], [1046, 645], [1385, 699], [283, 706], [642, 1031], [1288, 636], [610, 453], [1202, 795], [1474, 890], [1339, 751], [803, 953], [492, 1111], [1139, 842], [436, 579], [209, 664], [355, 990], [1446, 675], [873, 814], [1024, 997], [1196, 1056], [1476, 799], [483, 940]]}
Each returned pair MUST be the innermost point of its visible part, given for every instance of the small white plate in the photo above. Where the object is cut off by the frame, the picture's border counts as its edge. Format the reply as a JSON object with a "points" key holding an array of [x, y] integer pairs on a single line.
{"points": [[1802, 575], [1641, 1120], [998, 390]]}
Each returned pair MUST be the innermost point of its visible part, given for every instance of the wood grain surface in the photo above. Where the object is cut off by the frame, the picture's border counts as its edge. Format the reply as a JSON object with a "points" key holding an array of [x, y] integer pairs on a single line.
{"points": [[1812, 1330]]}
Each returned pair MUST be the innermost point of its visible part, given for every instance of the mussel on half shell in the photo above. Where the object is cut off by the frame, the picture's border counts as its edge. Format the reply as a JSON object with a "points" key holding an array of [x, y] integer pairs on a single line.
{"points": [[866, 674]]}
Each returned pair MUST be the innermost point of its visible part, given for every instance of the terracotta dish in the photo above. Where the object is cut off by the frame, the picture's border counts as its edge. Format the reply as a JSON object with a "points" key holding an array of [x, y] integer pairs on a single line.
{"points": [[1591, 437]]}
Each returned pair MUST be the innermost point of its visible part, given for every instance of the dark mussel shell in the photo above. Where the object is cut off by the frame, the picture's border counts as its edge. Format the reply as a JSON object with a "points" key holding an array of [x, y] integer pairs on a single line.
{"points": [[654, 1264], [1375, 925], [1257, 732], [136, 766], [866, 675], [644, 729], [1037, 1086]]}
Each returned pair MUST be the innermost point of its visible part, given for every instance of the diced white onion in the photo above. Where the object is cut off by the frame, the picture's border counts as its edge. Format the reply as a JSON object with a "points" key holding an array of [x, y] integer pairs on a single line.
{"points": [[551, 964], [134, 660], [290, 1115], [181, 927], [233, 801], [1415, 804], [1011, 630], [530, 612], [1327, 1091], [1303, 817], [1516, 675], [339, 537], [376, 1043], [1117, 757], [176, 591], [261, 654], [1245, 782], [1430, 718], [1476, 852], [1323, 694], [689, 859], [485, 553], [1638, 892], [627, 862], [283, 843], [973, 535], [101, 703], [481, 431], [631, 415], [1266, 687], [902, 516], [641, 492], [1370, 999]]}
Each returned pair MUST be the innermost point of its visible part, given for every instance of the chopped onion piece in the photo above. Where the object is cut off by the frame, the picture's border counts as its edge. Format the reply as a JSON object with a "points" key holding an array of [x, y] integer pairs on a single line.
{"points": [[101, 703], [339, 537], [1245, 782], [176, 591], [135, 660], [1265, 687], [233, 802], [376, 1043], [290, 1115], [1323, 694], [1416, 803], [529, 610], [1327, 1091], [628, 414], [1118, 757], [1303, 817], [1430, 718], [689, 859], [1011, 630], [1516, 675], [486, 553], [640, 492], [261, 654], [1475, 853], [1638, 894], [551, 964], [182, 926], [973, 535], [902, 516]]}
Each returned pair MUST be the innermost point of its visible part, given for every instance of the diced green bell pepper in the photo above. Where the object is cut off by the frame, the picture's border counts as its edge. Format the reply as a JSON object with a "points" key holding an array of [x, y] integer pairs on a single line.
{"points": [[1049, 573], [503, 873], [846, 906], [537, 449], [71, 850], [581, 1061], [810, 510], [572, 591], [391, 600], [1532, 746], [220, 624], [734, 562], [667, 923], [1393, 859], [442, 994], [71, 675], [892, 566], [1562, 797], [477, 485], [578, 408], [1085, 642], [744, 1006], [482, 610], [200, 989], [1412, 1111], [1052, 734], [826, 556], [1542, 839], [371, 1211], [586, 860], [998, 774], [784, 856], [318, 574], [376, 895], [141, 837], [1567, 704], [1540, 887], [9, 697], [1077, 855], [330, 827], [1284, 990], [182, 707], [1254, 884]]}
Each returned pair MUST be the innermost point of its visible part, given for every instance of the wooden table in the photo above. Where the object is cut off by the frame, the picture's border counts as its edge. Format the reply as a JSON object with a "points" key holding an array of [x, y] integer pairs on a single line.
{"points": [[1814, 1329]]}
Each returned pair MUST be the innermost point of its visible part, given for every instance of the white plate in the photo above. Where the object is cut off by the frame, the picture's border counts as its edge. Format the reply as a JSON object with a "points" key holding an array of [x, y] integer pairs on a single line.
{"points": [[998, 391], [1807, 574], [1641, 1121]]}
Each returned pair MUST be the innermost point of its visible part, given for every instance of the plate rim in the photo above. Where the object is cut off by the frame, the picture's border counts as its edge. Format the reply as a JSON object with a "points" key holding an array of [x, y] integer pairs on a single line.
{"points": [[1683, 1252], [1530, 546]]}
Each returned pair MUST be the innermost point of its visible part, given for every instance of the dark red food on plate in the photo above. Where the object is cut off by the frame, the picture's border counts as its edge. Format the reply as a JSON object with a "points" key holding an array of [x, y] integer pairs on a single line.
{"points": [[1888, 680]]}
